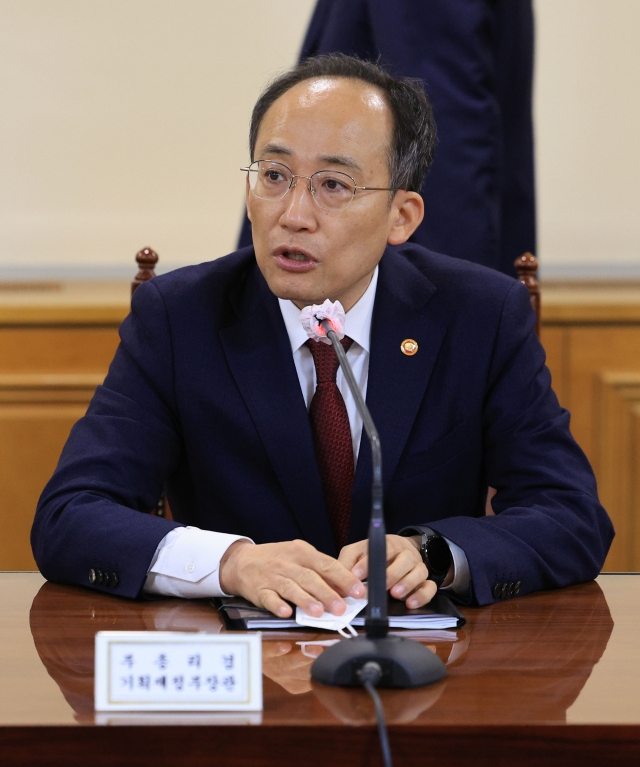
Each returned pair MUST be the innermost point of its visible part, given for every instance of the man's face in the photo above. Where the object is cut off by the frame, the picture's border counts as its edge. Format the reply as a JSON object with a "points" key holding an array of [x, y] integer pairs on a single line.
{"points": [[306, 253]]}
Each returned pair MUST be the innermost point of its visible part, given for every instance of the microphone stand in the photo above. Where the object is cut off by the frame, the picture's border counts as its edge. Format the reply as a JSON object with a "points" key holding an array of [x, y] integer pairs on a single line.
{"points": [[402, 662]]}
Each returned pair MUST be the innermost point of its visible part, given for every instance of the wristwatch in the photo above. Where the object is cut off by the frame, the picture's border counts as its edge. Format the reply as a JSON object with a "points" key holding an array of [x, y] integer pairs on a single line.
{"points": [[436, 555]]}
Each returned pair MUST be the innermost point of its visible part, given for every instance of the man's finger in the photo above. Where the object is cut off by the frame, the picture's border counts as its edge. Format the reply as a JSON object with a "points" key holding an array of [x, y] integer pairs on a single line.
{"points": [[315, 585], [330, 569], [270, 600], [290, 589], [402, 567], [410, 582], [355, 556], [422, 595], [335, 573], [350, 554], [307, 590]]}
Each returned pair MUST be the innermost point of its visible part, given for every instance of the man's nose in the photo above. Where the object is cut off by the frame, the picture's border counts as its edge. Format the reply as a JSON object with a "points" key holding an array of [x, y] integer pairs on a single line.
{"points": [[300, 207]]}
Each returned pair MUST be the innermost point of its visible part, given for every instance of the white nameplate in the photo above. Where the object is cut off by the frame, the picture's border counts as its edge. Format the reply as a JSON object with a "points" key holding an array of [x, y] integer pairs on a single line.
{"points": [[178, 671]]}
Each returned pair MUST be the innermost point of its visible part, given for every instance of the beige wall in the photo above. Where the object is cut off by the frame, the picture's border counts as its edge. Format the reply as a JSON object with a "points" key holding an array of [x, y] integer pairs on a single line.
{"points": [[124, 123], [587, 108]]}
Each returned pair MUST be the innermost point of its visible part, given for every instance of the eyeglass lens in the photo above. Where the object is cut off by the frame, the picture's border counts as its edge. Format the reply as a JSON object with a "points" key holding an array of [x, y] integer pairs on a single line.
{"points": [[271, 181]]}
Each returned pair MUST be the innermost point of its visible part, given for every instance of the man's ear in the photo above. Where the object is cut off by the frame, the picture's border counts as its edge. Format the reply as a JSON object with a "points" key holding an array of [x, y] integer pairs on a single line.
{"points": [[406, 214], [247, 198]]}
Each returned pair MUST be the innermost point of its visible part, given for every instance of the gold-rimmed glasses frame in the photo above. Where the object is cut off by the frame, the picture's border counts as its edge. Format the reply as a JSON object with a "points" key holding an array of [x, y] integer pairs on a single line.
{"points": [[338, 201]]}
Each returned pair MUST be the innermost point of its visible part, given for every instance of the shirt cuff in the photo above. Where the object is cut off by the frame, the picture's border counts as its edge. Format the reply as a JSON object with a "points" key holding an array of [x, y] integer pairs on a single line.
{"points": [[461, 580], [187, 563]]}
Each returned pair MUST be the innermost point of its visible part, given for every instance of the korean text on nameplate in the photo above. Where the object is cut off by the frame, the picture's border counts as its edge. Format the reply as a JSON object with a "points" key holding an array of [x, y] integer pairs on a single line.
{"points": [[177, 671]]}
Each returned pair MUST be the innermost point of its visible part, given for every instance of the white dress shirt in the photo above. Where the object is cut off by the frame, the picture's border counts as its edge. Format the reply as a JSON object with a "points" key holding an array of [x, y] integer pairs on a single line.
{"points": [[187, 560]]}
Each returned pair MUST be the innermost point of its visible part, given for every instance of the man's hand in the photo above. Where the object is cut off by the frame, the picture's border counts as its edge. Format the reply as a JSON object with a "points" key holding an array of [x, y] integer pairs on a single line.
{"points": [[270, 573], [406, 572]]}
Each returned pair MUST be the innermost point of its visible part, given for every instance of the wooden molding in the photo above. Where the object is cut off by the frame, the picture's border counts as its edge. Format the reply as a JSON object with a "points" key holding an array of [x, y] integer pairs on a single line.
{"points": [[589, 313], [575, 302], [68, 302], [48, 388], [110, 316]]}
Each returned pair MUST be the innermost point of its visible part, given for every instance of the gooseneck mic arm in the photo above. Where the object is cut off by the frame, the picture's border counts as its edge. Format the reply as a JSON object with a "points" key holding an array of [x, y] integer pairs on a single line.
{"points": [[397, 662], [376, 621]]}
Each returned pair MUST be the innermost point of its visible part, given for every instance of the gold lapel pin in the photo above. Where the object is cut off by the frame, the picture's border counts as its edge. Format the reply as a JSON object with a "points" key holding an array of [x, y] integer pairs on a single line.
{"points": [[409, 347]]}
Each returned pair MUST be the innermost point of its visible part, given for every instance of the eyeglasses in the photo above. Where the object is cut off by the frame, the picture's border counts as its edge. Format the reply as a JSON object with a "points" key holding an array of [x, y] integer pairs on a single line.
{"points": [[331, 189]]}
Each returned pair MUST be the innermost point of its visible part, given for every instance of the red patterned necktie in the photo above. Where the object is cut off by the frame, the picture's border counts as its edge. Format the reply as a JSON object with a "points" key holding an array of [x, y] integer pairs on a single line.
{"points": [[332, 438]]}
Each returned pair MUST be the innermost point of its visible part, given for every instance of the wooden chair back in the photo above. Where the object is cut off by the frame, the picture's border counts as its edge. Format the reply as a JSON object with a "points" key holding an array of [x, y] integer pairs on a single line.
{"points": [[147, 260], [527, 269]]}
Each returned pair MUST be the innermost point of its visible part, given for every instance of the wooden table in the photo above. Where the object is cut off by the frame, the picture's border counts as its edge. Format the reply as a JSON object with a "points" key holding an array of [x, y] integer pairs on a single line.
{"points": [[550, 678]]}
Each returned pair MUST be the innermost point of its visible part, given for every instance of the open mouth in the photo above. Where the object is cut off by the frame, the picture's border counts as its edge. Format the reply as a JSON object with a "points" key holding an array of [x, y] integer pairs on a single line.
{"points": [[294, 259], [295, 255]]}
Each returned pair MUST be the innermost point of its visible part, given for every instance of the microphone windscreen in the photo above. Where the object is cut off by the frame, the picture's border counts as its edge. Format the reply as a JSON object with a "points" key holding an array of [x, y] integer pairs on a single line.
{"points": [[312, 316]]}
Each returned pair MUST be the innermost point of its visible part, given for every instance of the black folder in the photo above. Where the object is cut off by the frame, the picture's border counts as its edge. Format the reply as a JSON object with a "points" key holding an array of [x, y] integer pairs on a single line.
{"points": [[240, 615]]}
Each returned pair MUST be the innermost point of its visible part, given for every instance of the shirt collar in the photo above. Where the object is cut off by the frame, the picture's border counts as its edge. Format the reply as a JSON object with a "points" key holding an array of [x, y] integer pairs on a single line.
{"points": [[357, 325]]}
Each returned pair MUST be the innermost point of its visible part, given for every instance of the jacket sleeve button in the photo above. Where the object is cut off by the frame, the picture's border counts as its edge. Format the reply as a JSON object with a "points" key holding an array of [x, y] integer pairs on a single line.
{"points": [[113, 580], [497, 590], [505, 590], [99, 577], [92, 576], [516, 587], [510, 589]]}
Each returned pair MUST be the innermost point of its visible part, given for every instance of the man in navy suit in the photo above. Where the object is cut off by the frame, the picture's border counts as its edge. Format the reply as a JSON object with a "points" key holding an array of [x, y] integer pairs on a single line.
{"points": [[209, 391]]}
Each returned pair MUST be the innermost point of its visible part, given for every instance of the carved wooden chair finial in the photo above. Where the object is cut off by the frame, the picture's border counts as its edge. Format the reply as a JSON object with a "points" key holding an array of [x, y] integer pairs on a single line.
{"points": [[147, 260], [526, 268]]}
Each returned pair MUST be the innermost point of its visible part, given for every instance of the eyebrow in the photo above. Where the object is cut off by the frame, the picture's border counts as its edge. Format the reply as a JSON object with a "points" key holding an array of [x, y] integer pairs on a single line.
{"points": [[276, 149], [340, 159], [331, 159]]}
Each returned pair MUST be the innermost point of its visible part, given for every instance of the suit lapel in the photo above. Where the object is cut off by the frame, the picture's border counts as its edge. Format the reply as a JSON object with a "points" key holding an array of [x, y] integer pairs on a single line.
{"points": [[396, 382], [258, 352]]}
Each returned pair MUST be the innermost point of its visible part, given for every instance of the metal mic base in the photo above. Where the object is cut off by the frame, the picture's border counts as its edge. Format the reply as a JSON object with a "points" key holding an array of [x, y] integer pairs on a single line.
{"points": [[404, 663]]}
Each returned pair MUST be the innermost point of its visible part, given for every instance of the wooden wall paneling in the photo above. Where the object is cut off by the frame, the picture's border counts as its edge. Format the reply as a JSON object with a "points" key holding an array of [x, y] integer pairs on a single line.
{"points": [[555, 341], [37, 412], [592, 351], [616, 395], [53, 349], [635, 487]]}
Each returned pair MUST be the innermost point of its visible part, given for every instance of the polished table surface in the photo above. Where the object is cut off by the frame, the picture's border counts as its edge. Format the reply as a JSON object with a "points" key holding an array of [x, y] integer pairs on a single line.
{"points": [[553, 676]]}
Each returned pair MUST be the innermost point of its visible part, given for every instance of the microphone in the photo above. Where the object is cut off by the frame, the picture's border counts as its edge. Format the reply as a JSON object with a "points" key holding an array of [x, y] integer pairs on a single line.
{"points": [[403, 662]]}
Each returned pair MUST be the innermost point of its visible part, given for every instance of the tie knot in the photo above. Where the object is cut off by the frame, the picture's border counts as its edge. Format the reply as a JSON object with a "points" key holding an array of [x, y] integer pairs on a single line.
{"points": [[326, 360]]}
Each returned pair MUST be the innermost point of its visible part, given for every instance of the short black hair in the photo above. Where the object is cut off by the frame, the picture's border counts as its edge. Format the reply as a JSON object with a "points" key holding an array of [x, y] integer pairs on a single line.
{"points": [[414, 129]]}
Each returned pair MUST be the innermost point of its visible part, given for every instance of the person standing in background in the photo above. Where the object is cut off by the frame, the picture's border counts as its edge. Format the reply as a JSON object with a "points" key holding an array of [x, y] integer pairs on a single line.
{"points": [[476, 60]]}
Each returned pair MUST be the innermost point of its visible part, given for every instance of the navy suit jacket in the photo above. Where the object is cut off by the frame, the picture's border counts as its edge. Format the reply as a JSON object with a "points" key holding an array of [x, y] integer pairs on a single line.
{"points": [[203, 397]]}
